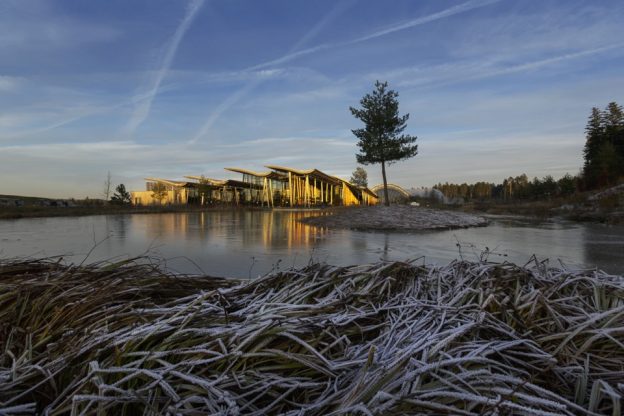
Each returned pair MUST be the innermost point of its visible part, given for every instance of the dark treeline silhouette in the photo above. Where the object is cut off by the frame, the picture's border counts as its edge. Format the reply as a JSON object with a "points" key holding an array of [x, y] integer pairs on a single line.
{"points": [[604, 147], [604, 166], [518, 188]]}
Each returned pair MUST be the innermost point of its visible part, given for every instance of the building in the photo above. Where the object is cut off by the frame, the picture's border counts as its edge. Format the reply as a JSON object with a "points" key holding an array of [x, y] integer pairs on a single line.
{"points": [[278, 187]]}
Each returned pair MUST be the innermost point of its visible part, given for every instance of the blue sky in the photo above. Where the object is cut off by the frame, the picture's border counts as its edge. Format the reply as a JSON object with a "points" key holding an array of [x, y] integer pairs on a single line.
{"points": [[172, 88]]}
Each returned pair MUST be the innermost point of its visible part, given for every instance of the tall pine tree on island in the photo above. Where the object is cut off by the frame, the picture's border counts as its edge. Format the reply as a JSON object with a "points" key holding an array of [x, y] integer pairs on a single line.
{"points": [[382, 139]]}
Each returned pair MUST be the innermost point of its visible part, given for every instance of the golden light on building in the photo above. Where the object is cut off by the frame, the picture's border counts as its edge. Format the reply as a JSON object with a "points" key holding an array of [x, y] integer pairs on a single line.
{"points": [[280, 186]]}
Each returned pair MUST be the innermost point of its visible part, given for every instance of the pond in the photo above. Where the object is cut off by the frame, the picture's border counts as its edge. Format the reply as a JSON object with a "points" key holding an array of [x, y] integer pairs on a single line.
{"points": [[248, 243]]}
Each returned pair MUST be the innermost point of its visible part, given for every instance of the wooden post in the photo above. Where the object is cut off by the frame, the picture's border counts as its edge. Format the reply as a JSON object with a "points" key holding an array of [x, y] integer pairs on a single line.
{"points": [[290, 188], [307, 190], [331, 195]]}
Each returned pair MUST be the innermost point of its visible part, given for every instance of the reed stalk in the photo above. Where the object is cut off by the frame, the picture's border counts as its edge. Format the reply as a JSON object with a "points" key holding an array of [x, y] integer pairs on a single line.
{"points": [[467, 338]]}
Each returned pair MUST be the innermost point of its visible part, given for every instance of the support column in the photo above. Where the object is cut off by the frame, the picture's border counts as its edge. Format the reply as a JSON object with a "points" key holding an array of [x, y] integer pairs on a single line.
{"points": [[290, 188], [307, 190]]}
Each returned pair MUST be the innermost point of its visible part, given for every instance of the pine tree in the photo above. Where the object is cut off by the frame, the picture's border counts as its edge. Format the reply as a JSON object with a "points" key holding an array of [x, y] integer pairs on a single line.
{"points": [[359, 177], [614, 130], [604, 146], [121, 196], [382, 139]]}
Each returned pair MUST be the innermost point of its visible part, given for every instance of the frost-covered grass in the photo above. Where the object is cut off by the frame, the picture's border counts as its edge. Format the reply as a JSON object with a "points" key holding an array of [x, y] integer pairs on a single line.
{"points": [[394, 218], [387, 338]]}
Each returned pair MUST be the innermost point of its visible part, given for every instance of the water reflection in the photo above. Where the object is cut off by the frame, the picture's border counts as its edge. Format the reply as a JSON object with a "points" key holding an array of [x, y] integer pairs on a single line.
{"points": [[244, 243], [605, 247], [272, 229]]}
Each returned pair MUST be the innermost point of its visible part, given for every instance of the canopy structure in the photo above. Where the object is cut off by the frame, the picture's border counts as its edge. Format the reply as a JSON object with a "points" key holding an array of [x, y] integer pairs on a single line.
{"points": [[396, 194], [270, 183], [308, 187], [279, 186], [175, 192], [202, 180], [352, 194], [173, 184]]}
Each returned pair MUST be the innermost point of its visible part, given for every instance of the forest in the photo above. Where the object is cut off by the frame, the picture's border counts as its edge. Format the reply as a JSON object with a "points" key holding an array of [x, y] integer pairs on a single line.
{"points": [[603, 167]]}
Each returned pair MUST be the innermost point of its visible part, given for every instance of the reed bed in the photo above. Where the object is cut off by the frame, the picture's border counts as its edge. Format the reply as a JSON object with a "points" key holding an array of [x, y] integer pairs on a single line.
{"points": [[468, 338]]}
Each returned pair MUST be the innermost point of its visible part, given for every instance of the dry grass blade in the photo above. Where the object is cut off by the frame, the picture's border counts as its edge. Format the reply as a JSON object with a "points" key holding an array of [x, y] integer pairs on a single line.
{"points": [[389, 338]]}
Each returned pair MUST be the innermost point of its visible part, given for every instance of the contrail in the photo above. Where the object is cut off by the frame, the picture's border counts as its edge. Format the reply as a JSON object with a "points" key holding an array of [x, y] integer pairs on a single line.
{"points": [[294, 53], [240, 93], [460, 8], [141, 111], [137, 99], [521, 67], [223, 107]]}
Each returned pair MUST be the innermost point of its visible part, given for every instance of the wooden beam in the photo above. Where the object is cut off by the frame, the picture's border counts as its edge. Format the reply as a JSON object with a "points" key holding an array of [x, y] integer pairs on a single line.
{"points": [[290, 188]]}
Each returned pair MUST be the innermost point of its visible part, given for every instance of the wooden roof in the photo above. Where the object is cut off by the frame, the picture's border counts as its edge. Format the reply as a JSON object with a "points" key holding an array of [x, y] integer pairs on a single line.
{"points": [[354, 187], [178, 184], [207, 181], [267, 174], [311, 172]]}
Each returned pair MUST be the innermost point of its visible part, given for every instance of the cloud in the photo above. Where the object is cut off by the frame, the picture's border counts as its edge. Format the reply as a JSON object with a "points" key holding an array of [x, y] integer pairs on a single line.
{"points": [[435, 76], [33, 27], [451, 11], [10, 83], [142, 110], [233, 98]]}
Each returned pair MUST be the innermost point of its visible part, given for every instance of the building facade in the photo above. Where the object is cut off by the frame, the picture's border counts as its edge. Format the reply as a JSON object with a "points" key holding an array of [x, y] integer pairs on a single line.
{"points": [[278, 187]]}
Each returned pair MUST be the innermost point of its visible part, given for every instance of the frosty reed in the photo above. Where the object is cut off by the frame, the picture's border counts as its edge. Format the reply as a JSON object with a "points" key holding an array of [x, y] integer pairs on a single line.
{"points": [[468, 338]]}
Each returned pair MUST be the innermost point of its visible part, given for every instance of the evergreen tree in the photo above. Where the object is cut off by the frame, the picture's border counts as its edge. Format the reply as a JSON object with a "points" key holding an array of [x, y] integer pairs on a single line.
{"points": [[382, 139], [359, 177], [614, 130], [594, 137], [604, 146], [121, 196]]}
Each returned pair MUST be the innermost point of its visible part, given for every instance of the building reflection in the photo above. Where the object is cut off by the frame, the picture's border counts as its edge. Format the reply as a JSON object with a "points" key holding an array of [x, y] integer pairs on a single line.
{"points": [[233, 228]]}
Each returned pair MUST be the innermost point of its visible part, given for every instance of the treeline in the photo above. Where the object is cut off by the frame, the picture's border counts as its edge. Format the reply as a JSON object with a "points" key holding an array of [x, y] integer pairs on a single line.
{"points": [[518, 188], [604, 147], [604, 166]]}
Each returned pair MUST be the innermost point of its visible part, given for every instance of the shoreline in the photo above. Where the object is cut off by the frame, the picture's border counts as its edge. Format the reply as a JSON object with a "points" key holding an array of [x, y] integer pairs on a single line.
{"points": [[81, 211]]}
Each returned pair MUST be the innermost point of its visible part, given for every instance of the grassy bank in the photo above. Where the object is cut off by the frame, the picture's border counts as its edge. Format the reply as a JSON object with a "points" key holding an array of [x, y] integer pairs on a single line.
{"points": [[386, 338], [39, 211], [606, 206]]}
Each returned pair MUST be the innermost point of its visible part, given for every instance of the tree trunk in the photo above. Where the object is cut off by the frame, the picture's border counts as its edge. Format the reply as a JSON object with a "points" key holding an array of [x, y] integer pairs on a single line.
{"points": [[385, 182]]}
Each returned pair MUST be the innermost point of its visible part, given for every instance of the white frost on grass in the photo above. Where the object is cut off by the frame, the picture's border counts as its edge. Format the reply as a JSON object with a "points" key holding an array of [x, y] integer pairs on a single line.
{"points": [[395, 218]]}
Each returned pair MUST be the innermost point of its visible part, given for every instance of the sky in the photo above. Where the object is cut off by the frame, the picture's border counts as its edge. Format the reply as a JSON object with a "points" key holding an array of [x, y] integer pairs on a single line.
{"points": [[163, 88]]}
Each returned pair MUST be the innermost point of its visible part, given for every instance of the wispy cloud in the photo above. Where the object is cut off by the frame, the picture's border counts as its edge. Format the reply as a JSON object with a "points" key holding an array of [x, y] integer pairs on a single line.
{"points": [[142, 110], [233, 98], [449, 74], [9, 83], [451, 11]]}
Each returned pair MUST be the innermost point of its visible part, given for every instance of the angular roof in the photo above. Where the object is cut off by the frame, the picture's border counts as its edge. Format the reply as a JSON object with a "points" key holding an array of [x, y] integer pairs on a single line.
{"points": [[268, 174], [310, 172], [361, 188], [178, 184], [208, 181]]}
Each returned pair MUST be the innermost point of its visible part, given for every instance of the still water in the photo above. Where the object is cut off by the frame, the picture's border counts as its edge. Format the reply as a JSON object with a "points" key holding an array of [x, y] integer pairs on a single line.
{"points": [[251, 243]]}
